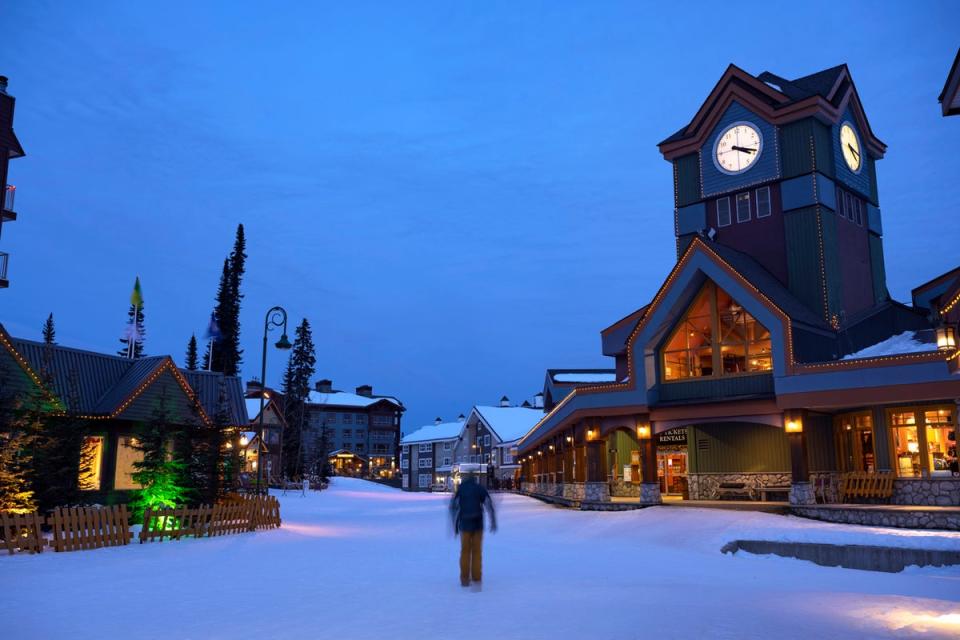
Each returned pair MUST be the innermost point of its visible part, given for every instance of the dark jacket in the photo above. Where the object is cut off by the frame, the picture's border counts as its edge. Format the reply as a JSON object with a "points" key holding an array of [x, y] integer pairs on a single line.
{"points": [[467, 507]]}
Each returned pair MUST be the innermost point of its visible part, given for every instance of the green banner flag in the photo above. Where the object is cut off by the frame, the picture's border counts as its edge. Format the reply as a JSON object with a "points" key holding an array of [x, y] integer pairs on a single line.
{"points": [[136, 298]]}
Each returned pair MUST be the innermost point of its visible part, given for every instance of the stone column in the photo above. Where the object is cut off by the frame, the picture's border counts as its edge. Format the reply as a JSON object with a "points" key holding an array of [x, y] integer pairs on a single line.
{"points": [[801, 491], [649, 483]]}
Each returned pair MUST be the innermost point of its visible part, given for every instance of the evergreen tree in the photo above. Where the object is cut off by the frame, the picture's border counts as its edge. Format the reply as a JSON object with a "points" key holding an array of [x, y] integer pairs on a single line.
{"points": [[228, 355], [206, 358], [158, 473], [296, 387], [135, 330], [49, 332], [191, 361], [20, 422]]}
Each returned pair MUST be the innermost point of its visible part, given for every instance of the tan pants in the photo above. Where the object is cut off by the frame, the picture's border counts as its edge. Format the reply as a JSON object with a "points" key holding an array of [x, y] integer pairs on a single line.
{"points": [[471, 556]]}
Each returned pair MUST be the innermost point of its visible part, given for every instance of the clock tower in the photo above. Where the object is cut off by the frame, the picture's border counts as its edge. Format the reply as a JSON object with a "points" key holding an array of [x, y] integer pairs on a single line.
{"points": [[784, 172]]}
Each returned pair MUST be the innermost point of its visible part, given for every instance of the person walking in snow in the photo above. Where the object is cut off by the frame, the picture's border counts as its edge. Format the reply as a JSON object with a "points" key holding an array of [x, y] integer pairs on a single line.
{"points": [[467, 509]]}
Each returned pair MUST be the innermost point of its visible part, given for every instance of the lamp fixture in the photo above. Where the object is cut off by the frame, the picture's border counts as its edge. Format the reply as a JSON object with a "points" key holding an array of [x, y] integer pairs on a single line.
{"points": [[946, 338]]}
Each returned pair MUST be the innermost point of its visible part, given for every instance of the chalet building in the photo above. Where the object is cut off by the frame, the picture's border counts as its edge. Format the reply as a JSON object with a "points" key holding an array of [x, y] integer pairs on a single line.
{"points": [[772, 356], [115, 397], [9, 148], [426, 456], [489, 439], [273, 426], [361, 423]]}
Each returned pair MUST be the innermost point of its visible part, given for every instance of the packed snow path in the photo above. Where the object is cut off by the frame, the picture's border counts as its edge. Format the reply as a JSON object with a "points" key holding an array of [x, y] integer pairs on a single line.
{"points": [[364, 561]]}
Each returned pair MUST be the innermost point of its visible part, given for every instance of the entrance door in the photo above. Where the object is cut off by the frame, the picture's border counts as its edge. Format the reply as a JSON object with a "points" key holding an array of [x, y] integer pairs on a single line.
{"points": [[855, 434], [672, 472]]}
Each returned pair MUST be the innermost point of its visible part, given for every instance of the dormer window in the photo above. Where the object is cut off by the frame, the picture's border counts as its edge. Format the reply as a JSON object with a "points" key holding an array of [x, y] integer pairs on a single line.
{"points": [[716, 337], [723, 212]]}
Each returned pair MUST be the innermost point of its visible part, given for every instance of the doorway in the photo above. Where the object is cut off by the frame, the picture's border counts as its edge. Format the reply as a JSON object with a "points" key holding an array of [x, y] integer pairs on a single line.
{"points": [[672, 473]]}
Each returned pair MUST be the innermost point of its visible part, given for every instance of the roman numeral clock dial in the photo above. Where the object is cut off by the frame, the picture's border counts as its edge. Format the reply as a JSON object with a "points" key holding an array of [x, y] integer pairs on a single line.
{"points": [[737, 148]]}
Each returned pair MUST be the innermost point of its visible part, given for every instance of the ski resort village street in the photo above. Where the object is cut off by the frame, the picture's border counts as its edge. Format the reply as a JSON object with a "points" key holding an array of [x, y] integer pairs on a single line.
{"points": [[361, 560]]}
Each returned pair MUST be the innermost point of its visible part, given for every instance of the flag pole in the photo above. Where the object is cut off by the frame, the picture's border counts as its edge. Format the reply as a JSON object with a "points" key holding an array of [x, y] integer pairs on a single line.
{"points": [[133, 333]]}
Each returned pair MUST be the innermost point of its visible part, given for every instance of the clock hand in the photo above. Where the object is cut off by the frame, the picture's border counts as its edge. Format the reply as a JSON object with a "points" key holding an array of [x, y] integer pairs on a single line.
{"points": [[744, 149], [853, 151]]}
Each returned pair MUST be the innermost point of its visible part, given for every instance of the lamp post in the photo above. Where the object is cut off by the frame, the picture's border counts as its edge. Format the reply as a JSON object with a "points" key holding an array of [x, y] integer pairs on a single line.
{"points": [[276, 317]]}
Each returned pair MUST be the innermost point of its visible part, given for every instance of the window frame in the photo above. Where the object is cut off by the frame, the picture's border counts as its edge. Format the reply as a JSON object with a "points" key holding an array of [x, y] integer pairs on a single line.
{"points": [[425, 447], [425, 463], [920, 423], [769, 203], [726, 200], [738, 200]]}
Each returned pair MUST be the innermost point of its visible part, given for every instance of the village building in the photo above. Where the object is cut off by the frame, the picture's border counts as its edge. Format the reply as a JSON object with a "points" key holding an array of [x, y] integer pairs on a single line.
{"points": [[772, 361], [115, 397], [426, 456], [488, 442], [273, 428], [9, 148]]}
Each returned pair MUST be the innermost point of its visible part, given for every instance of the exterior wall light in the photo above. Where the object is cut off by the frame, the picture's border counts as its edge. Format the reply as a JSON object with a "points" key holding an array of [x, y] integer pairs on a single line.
{"points": [[946, 338], [569, 438], [643, 431], [551, 447], [589, 434], [792, 422]]}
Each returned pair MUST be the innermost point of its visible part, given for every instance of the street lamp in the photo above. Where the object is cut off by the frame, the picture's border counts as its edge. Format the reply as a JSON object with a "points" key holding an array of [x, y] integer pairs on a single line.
{"points": [[276, 317]]}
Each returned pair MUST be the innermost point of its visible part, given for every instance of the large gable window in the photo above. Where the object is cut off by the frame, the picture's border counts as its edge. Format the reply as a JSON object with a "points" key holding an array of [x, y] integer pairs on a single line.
{"points": [[716, 337]]}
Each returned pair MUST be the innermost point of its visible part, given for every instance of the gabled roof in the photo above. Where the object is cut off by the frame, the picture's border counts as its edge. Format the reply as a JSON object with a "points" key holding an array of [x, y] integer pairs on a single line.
{"points": [[435, 432], [950, 96], [509, 423], [98, 384], [824, 95], [270, 404]]}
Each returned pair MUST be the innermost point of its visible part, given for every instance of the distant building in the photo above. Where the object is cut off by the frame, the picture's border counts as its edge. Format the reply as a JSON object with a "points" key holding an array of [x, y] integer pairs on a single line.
{"points": [[9, 148], [273, 427], [426, 455], [489, 439], [950, 96], [115, 397]]}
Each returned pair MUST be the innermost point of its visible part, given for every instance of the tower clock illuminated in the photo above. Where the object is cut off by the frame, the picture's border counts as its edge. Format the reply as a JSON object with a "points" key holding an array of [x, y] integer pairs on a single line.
{"points": [[850, 144], [737, 148]]}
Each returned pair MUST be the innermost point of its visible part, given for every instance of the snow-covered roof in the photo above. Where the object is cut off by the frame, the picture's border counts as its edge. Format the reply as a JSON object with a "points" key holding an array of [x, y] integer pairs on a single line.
{"points": [[510, 423], [906, 342], [346, 399], [431, 432], [585, 377]]}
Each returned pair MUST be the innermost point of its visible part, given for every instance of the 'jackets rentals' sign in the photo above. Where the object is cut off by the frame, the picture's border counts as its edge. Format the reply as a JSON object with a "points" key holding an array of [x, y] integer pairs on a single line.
{"points": [[673, 437]]}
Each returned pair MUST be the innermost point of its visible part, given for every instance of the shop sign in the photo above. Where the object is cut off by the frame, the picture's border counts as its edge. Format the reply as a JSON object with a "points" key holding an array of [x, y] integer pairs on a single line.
{"points": [[672, 437]]}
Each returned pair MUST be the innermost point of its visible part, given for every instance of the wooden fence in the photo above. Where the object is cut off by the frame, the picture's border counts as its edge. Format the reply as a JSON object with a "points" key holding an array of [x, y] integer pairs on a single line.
{"points": [[866, 485], [22, 532], [79, 528], [236, 514]]}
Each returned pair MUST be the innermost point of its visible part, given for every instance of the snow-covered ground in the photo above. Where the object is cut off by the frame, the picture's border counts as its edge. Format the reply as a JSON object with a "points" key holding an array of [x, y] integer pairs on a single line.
{"points": [[364, 561]]}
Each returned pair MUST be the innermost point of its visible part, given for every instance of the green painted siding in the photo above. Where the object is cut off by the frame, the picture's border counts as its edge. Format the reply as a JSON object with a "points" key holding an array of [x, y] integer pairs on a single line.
{"points": [[722, 387], [805, 146], [821, 445], [687, 172], [177, 404], [831, 254], [624, 442], [803, 257], [737, 447], [877, 269]]}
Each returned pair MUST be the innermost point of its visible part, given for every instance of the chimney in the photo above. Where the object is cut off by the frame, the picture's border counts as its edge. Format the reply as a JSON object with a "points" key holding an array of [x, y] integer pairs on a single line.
{"points": [[538, 401], [325, 386], [3, 84], [438, 420], [254, 385], [461, 418], [504, 401], [365, 390]]}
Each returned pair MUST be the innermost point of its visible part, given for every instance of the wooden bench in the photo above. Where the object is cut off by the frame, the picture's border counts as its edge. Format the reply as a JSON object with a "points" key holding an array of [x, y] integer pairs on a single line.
{"points": [[774, 488], [726, 490], [862, 484]]}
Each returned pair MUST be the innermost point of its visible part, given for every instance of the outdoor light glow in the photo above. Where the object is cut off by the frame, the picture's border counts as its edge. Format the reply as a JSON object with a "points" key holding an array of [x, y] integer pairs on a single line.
{"points": [[946, 338], [643, 431], [244, 441]]}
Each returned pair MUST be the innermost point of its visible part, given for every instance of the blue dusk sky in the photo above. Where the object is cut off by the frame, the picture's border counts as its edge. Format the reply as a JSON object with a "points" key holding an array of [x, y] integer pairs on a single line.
{"points": [[457, 195]]}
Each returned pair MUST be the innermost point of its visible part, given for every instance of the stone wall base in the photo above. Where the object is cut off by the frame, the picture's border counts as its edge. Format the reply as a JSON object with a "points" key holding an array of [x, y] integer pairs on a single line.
{"points": [[802, 493], [940, 492], [621, 489], [650, 493], [703, 486], [947, 519]]}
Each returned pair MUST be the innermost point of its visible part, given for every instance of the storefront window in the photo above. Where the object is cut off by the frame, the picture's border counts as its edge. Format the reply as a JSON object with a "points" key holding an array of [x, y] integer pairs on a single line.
{"points": [[127, 455], [941, 441], [692, 350], [91, 459], [925, 441]]}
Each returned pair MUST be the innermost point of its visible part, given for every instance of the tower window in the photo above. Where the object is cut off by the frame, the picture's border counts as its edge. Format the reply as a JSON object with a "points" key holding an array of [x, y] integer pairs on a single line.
{"points": [[743, 207], [723, 212], [763, 202], [858, 206], [848, 205]]}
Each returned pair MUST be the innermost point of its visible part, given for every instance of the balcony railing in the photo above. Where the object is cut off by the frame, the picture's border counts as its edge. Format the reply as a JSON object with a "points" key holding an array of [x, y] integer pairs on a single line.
{"points": [[9, 195], [3, 268]]}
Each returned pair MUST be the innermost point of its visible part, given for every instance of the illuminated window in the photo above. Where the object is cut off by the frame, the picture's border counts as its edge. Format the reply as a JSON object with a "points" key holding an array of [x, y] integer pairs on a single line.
{"points": [[855, 442], [716, 337], [941, 441], [723, 212], [743, 207], [763, 202], [906, 444], [127, 454], [91, 459]]}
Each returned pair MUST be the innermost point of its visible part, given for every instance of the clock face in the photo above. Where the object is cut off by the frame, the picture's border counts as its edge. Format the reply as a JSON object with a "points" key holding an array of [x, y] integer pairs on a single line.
{"points": [[850, 144], [737, 148]]}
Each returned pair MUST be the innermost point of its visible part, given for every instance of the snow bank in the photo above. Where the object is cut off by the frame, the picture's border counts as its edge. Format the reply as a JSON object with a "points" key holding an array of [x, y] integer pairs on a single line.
{"points": [[905, 342]]}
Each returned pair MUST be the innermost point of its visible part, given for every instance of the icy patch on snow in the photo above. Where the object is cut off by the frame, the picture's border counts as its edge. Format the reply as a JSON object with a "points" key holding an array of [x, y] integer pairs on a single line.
{"points": [[905, 342]]}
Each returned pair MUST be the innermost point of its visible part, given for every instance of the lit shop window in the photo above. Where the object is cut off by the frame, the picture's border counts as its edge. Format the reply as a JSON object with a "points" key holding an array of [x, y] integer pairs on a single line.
{"points": [[941, 441], [925, 441], [716, 337], [127, 455]]}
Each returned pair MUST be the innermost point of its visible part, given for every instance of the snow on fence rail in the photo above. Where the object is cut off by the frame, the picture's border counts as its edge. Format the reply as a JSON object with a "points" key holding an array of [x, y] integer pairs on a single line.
{"points": [[237, 514]]}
